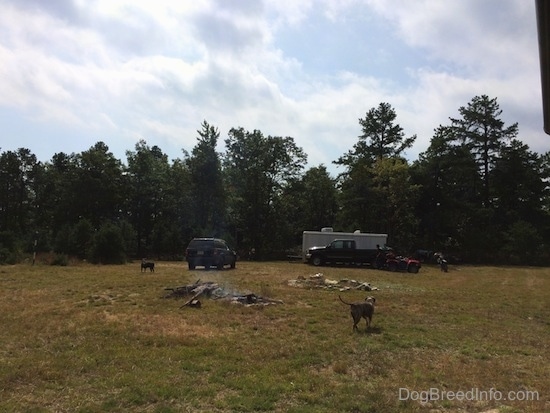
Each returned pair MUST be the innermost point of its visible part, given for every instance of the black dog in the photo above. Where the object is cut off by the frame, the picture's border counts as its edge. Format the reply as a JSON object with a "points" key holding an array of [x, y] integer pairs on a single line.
{"points": [[147, 264]]}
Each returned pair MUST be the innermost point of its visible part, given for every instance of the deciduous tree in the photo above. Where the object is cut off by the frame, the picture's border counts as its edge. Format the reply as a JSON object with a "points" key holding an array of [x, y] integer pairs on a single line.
{"points": [[147, 176], [258, 168]]}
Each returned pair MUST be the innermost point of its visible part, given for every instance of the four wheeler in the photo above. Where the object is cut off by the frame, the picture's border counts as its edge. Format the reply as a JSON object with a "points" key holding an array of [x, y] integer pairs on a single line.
{"points": [[387, 260], [403, 264]]}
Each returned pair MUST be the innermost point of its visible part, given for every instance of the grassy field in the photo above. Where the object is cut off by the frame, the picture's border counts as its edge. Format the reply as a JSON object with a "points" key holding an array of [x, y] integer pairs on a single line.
{"points": [[86, 338]]}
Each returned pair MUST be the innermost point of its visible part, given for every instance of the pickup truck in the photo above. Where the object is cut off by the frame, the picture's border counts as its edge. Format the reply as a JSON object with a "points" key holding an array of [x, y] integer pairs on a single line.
{"points": [[344, 251], [341, 251]]}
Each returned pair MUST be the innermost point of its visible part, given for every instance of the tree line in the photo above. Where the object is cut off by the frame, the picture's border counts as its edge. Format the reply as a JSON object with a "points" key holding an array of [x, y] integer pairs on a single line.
{"points": [[477, 193]]}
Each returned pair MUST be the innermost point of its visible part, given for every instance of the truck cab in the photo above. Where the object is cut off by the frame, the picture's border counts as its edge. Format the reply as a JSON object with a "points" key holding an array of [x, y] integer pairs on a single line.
{"points": [[340, 251]]}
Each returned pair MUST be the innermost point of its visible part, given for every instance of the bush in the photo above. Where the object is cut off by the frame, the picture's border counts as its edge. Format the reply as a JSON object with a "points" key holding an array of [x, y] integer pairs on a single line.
{"points": [[108, 246], [9, 257], [61, 260], [10, 251]]}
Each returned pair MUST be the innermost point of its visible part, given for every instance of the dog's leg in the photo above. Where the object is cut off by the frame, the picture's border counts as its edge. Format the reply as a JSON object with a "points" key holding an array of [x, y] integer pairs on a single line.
{"points": [[355, 321], [368, 320]]}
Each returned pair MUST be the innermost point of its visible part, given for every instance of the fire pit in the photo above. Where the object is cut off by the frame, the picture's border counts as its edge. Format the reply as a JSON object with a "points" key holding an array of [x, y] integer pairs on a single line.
{"points": [[214, 291]]}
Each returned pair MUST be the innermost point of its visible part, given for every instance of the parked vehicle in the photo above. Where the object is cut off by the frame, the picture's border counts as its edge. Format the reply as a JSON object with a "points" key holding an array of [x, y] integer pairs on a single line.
{"points": [[403, 264], [387, 260], [324, 237], [209, 252], [442, 261], [341, 251]]}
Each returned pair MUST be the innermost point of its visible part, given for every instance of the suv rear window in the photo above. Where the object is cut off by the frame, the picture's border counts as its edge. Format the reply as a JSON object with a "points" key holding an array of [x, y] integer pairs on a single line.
{"points": [[198, 243], [207, 243]]}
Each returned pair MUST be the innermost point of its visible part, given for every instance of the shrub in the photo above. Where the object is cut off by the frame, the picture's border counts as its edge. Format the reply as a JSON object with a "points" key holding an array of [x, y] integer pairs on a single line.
{"points": [[10, 251], [61, 260], [108, 246]]}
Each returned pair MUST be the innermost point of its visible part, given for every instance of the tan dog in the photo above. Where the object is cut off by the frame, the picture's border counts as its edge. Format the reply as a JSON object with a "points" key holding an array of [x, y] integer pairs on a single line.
{"points": [[360, 309]]}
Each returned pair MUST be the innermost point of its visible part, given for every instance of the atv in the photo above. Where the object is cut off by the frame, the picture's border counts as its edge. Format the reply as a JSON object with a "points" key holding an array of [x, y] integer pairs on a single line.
{"points": [[387, 260], [402, 264]]}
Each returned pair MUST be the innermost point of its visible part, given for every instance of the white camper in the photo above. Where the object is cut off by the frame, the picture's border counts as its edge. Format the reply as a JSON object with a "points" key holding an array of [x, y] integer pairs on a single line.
{"points": [[363, 240]]}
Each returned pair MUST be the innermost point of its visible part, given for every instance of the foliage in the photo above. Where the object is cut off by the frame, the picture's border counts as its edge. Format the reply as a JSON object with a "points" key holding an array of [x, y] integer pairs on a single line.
{"points": [[377, 194], [482, 131], [449, 179], [146, 176], [479, 182], [524, 244], [17, 173], [75, 239], [61, 260], [381, 138], [391, 184], [477, 192], [10, 250], [258, 168], [108, 246], [208, 209], [98, 185], [307, 203]]}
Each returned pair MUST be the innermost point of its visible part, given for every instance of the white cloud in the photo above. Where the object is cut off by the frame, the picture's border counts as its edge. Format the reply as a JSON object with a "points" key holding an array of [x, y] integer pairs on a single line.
{"points": [[119, 71]]}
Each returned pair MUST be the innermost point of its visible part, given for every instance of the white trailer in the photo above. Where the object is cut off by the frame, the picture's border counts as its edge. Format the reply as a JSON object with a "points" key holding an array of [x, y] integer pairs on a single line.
{"points": [[363, 240]]}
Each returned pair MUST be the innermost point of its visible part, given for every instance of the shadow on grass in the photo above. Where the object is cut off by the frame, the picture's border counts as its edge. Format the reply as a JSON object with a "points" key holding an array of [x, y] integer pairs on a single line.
{"points": [[370, 331]]}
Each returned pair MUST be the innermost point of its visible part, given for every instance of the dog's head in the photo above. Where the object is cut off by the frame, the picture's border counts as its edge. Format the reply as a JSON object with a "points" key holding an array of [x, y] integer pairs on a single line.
{"points": [[371, 300]]}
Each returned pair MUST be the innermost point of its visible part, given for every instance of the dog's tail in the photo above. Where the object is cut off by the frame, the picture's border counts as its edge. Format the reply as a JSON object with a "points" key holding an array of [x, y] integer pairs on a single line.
{"points": [[343, 300]]}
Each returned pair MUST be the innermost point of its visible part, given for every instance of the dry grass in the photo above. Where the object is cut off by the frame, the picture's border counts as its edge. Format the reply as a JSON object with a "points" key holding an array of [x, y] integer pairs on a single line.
{"points": [[93, 339]]}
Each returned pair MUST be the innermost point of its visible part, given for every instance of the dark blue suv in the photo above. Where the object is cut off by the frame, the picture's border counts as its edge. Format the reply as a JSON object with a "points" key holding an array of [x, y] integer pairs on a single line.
{"points": [[209, 252]]}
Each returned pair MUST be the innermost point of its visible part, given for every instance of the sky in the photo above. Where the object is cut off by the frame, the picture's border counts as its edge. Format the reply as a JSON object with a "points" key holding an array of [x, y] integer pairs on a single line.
{"points": [[76, 72]]}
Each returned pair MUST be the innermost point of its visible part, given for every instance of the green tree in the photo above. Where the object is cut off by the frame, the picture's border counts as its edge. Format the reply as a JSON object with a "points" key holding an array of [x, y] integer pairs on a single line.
{"points": [[207, 189], [483, 132], [258, 168], [177, 224], [308, 202], [369, 185], [318, 201], [448, 202], [380, 138], [108, 245], [147, 176], [391, 185], [480, 185], [359, 208], [97, 188], [17, 174], [81, 238], [76, 194], [10, 248], [55, 206], [519, 186], [518, 194], [18, 184]]}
